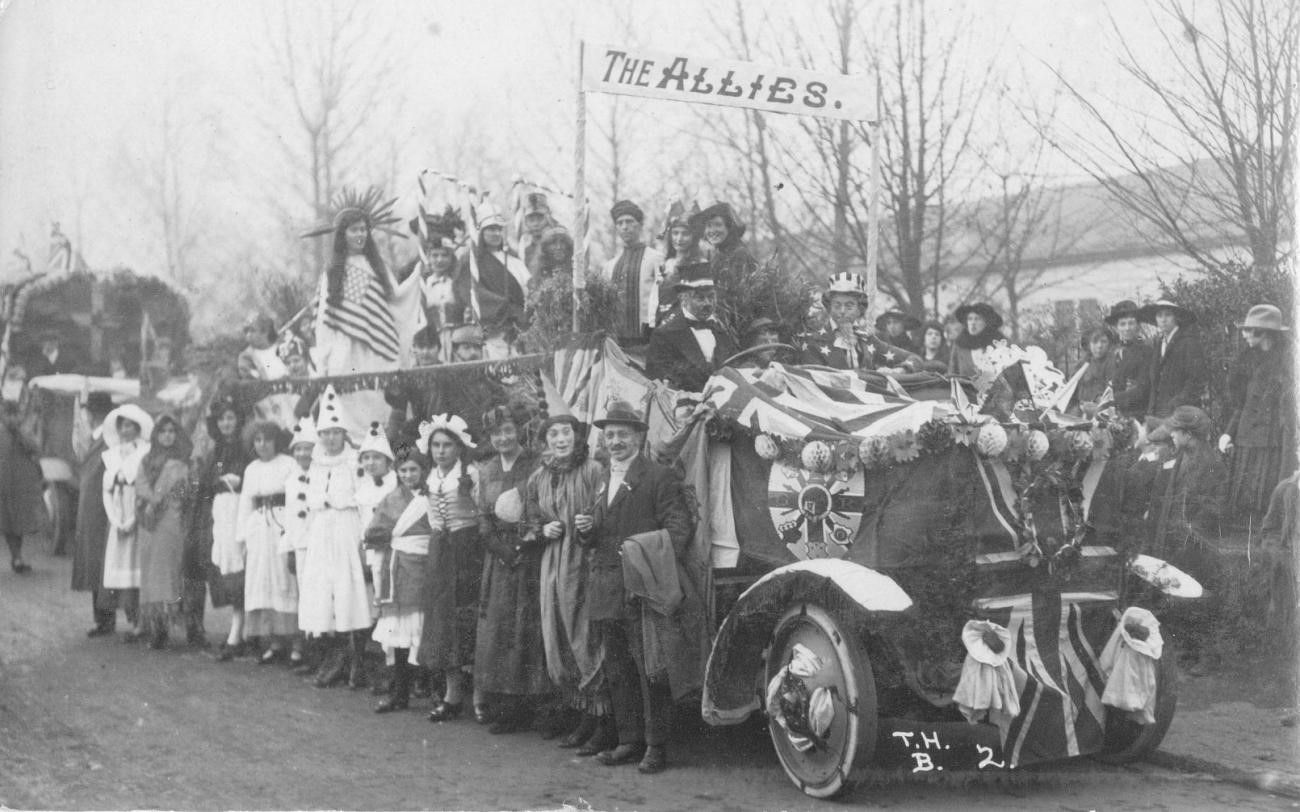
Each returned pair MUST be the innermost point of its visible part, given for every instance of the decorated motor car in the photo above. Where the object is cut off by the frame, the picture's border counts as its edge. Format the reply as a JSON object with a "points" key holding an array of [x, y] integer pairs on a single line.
{"points": [[902, 573]]}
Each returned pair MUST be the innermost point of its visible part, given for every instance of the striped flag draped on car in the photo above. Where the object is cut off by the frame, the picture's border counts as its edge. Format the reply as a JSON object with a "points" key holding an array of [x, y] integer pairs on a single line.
{"points": [[363, 313]]}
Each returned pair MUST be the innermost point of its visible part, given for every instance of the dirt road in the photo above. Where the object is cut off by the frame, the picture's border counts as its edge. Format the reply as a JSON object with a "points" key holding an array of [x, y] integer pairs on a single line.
{"points": [[102, 724]]}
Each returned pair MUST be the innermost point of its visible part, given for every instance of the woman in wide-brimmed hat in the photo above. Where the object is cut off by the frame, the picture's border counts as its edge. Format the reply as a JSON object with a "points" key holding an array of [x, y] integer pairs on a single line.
{"points": [[732, 266], [983, 327], [1178, 368], [1132, 360], [1184, 518], [1260, 432]]}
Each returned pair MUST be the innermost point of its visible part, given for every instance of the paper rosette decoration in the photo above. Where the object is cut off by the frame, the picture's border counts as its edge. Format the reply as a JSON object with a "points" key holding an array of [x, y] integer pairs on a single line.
{"points": [[766, 446], [816, 456], [1036, 445], [988, 684], [991, 440]]}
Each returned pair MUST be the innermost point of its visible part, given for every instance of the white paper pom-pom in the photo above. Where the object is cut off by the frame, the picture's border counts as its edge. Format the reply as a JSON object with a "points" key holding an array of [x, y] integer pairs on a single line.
{"points": [[816, 456], [766, 447], [1036, 445], [992, 440], [509, 506]]}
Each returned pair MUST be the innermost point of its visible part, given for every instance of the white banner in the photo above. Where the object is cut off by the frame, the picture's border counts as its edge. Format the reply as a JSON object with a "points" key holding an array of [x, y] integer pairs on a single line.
{"points": [[675, 77]]}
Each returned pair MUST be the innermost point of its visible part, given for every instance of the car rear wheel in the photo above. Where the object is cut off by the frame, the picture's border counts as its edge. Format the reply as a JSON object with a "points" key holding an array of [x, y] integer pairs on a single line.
{"points": [[827, 768]]}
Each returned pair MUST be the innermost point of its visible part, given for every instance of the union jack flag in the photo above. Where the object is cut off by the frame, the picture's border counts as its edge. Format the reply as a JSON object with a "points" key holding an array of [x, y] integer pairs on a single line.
{"points": [[1058, 637]]}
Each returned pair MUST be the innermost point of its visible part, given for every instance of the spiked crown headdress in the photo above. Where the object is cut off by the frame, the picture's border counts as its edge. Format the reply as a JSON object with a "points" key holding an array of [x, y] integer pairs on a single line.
{"points": [[370, 204]]}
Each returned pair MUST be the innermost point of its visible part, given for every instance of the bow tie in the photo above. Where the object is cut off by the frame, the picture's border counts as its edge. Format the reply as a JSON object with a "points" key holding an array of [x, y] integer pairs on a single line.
{"points": [[699, 324]]}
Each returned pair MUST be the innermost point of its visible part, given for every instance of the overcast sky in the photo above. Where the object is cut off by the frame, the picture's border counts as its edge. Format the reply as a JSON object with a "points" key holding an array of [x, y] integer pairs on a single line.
{"points": [[80, 84]]}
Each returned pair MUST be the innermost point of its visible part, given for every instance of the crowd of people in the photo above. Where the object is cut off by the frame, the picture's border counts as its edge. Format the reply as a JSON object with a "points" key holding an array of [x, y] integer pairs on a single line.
{"points": [[497, 572]]}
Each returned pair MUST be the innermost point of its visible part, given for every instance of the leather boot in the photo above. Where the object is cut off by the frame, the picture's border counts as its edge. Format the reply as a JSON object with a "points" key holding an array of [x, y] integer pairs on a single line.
{"points": [[399, 698], [356, 660], [605, 738], [335, 666], [585, 729]]}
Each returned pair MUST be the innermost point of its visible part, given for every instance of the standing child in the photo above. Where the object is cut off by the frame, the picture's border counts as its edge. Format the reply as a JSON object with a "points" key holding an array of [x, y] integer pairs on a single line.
{"points": [[161, 495], [399, 533], [293, 543], [333, 598], [377, 481], [270, 593], [219, 489]]}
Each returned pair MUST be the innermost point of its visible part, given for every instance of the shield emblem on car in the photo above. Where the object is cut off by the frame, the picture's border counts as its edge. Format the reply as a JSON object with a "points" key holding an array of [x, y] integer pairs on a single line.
{"points": [[816, 515]]}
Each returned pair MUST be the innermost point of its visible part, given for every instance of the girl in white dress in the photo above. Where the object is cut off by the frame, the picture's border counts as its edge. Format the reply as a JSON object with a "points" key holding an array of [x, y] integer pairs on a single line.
{"points": [[333, 598], [124, 431], [270, 592]]}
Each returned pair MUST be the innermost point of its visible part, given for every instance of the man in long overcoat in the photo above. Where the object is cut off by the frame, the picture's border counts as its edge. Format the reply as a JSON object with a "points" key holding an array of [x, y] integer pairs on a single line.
{"points": [[640, 498]]}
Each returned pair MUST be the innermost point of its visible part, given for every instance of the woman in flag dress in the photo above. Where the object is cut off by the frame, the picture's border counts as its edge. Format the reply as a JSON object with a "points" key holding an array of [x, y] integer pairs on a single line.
{"points": [[365, 318], [270, 592], [124, 430]]}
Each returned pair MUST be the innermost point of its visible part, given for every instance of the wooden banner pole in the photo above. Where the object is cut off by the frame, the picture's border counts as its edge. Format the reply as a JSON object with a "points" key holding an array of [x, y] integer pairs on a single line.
{"points": [[579, 196], [873, 213]]}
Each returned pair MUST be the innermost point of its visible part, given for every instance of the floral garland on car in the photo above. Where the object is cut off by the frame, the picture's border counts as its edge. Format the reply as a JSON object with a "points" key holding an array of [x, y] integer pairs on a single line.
{"points": [[1040, 452]]}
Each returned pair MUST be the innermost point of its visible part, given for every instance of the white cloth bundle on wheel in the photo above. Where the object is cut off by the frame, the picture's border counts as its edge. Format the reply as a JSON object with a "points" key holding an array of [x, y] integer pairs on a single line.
{"points": [[1130, 660], [989, 686]]}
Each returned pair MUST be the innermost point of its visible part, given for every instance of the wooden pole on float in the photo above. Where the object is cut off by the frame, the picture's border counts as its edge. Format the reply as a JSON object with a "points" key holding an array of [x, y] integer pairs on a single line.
{"points": [[873, 211], [579, 195]]}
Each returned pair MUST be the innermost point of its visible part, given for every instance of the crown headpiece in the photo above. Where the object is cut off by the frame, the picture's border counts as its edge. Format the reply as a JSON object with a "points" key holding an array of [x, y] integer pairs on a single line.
{"points": [[370, 204]]}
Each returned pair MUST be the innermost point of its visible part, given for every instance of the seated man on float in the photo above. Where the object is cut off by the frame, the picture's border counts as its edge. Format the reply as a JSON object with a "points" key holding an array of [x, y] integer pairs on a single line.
{"points": [[691, 343], [845, 344], [762, 331]]}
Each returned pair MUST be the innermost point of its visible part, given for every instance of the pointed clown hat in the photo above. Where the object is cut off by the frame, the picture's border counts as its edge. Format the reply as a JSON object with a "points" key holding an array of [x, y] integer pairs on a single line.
{"points": [[331, 414], [376, 441], [304, 431]]}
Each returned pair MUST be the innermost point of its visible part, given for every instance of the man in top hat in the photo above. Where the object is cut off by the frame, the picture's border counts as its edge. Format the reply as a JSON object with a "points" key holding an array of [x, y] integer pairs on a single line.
{"points": [[843, 345], [490, 282], [1132, 360], [634, 274], [895, 326], [642, 505], [536, 219], [691, 344], [1176, 375]]}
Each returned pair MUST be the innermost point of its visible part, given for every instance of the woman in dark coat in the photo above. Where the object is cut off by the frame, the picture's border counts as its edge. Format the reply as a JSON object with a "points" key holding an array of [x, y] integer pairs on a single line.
{"points": [[22, 500], [732, 265], [509, 656], [983, 327], [896, 327], [1177, 376], [161, 493], [215, 511], [1097, 377], [1184, 521], [1260, 434], [92, 525]]}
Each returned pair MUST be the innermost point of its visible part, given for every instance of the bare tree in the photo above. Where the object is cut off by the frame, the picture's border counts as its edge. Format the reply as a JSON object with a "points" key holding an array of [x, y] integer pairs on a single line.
{"points": [[336, 70], [1221, 170]]}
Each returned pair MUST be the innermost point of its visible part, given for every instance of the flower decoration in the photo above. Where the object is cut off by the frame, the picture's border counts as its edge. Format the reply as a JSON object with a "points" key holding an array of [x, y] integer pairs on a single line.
{"points": [[935, 437], [1081, 442], [904, 446], [846, 459], [767, 447]]}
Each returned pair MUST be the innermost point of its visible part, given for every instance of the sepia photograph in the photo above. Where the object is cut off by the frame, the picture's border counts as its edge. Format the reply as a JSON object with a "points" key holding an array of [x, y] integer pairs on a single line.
{"points": [[607, 405]]}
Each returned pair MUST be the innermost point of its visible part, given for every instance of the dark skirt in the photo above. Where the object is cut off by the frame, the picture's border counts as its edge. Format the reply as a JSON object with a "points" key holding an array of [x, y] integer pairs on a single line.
{"points": [[1256, 470], [510, 657], [226, 590], [454, 574]]}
